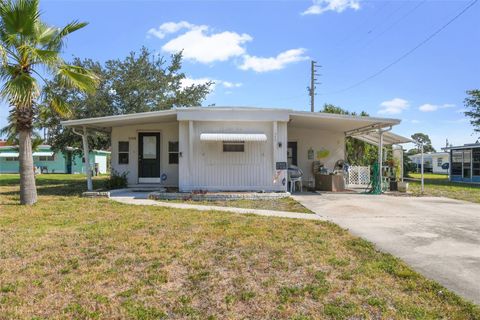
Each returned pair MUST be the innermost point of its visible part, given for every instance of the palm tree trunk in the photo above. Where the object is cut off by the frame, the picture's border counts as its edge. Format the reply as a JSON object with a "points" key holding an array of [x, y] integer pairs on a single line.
{"points": [[28, 190]]}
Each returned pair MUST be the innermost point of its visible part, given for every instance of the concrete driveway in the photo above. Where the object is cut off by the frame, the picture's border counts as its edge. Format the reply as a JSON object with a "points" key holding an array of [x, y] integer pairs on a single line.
{"points": [[438, 237]]}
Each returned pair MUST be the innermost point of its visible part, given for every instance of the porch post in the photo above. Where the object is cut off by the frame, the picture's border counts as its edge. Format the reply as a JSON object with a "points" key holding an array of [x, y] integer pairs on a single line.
{"points": [[86, 153], [380, 159], [421, 166]]}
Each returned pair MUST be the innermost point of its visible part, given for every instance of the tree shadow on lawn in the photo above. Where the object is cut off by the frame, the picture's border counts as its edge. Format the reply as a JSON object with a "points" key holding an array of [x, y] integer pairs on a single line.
{"points": [[51, 187]]}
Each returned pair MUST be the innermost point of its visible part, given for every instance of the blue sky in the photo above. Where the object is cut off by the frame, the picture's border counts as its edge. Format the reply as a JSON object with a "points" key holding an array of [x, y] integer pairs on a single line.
{"points": [[259, 52]]}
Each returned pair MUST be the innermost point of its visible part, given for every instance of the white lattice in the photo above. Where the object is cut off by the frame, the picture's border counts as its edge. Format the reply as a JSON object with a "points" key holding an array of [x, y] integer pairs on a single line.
{"points": [[358, 175]]}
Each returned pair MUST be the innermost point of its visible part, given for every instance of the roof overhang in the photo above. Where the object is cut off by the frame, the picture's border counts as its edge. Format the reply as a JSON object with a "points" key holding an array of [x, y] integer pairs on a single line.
{"points": [[43, 154], [8, 154]]}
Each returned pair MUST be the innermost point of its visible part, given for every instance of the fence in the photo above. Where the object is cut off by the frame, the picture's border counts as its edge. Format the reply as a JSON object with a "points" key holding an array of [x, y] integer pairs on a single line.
{"points": [[358, 175]]}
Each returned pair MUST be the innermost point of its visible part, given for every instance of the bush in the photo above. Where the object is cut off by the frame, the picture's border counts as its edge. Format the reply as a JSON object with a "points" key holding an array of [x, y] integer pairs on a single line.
{"points": [[117, 180]]}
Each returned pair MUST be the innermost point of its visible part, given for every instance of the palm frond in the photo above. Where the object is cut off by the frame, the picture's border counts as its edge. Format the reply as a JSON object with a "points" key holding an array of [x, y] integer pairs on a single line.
{"points": [[78, 78], [56, 42], [60, 106], [20, 16], [21, 90]]}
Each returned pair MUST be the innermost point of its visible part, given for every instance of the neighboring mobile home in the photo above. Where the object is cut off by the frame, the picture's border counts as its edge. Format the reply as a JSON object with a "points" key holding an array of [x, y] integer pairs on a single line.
{"points": [[465, 163], [230, 149], [432, 162], [47, 161]]}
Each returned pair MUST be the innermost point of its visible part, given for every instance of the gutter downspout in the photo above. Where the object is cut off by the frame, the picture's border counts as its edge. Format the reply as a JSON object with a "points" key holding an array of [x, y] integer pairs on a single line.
{"points": [[86, 153]]}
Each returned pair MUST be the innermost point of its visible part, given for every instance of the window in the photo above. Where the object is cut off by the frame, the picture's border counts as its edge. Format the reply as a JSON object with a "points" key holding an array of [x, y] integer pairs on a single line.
{"points": [[173, 152], [234, 146], [11, 159], [123, 148], [46, 158], [457, 159], [439, 162], [476, 162]]}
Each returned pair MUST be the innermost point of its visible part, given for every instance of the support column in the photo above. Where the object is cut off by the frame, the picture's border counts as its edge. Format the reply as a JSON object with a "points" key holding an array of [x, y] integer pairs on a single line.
{"points": [[421, 166], [86, 153], [380, 160]]}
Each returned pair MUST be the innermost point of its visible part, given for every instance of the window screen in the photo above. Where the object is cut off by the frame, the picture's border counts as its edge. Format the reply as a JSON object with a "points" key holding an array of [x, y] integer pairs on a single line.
{"points": [[234, 146], [173, 152], [457, 159], [123, 149], [476, 162]]}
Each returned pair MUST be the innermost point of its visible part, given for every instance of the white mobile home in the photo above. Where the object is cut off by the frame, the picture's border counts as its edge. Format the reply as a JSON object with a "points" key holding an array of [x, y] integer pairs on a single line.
{"points": [[432, 161], [230, 149]]}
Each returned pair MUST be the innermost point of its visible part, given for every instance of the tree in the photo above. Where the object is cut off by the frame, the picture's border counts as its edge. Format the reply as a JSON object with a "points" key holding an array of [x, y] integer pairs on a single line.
{"points": [[29, 52], [358, 152], [140, 82], [419, 139], [472, 102]]}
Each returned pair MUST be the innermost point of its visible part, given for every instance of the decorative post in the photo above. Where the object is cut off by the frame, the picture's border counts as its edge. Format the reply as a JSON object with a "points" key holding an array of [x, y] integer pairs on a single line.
{"points": [[380, 160]]}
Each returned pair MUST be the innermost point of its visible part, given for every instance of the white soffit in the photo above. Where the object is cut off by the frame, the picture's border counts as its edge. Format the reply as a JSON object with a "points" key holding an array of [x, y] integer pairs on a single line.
{"points": [[233, 137]]}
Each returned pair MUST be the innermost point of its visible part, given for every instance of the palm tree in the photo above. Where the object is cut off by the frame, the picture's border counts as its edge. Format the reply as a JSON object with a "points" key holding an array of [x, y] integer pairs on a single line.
{"points": [[29, 52]]}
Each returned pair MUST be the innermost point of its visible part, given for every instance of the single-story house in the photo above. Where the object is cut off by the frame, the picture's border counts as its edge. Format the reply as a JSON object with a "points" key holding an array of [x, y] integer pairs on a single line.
{"points": [[465, 163], [432, 161], [47, 161], [230, 148]]}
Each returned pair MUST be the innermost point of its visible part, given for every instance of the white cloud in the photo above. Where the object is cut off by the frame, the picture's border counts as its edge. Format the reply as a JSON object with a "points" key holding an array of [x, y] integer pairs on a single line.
{"points": [[260, 64], [394, 106], [428, 107], [200, 45], [168, 28], [228, 84], [321, 6], [188, 81]]}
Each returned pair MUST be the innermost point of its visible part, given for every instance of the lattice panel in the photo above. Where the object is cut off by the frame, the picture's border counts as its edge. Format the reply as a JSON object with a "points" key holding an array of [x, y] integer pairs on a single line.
{"points": [[358, 175]]}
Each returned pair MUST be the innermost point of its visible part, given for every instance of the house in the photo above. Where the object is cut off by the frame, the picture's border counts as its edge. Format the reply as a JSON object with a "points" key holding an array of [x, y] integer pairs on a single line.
{"points": [[465, 163], [230, 148], [47, 161], [432, 162]]}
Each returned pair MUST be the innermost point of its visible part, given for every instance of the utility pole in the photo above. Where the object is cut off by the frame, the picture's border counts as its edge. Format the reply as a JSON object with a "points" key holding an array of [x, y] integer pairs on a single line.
{"points": [[313, 81]]}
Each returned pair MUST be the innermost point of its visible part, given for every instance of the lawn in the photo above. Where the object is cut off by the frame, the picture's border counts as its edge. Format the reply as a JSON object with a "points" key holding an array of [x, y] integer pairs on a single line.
{"points": [[438, 185], [283, 204], [74, 258]]}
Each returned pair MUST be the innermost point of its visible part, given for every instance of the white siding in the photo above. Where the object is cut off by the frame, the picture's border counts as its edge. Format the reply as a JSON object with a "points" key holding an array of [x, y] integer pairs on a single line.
{"points": [[168, 132], [316, 139], [204, 165]]}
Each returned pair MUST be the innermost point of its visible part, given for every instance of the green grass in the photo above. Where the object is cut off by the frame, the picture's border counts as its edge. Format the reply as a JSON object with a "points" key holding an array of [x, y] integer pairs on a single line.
{"points": [[438, 185], [73, 258], [283, 204]]}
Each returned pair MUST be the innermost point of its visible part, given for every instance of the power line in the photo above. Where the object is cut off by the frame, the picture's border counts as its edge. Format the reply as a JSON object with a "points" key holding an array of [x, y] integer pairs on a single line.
{"points": [[406, 54]]}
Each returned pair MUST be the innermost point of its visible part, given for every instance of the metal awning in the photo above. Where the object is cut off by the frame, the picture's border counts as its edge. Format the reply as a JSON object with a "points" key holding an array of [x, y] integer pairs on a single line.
{"points": [[8, 154], [43, 154], [389, 138], [233, 137]]}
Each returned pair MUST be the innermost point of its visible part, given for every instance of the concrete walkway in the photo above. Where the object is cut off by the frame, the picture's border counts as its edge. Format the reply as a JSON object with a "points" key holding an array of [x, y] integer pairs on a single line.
{"points": [[438, 237], [141, 198]]}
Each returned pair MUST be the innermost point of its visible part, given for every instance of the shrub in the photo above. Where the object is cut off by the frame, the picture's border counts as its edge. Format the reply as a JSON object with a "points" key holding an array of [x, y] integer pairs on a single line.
{"points": [[117, 180]]}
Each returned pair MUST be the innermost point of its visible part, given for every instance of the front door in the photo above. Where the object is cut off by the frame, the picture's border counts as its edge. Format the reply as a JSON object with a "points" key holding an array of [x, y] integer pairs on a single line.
{"points": [[149, 157], [292, 153]]}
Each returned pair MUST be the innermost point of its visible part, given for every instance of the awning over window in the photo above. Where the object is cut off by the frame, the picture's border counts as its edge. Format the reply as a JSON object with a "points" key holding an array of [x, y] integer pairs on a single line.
{"points": [[8, 154], [43, 154], [233, 137]]}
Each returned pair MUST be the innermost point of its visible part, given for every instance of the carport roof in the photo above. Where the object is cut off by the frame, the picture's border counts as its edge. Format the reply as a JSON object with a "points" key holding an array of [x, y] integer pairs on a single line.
{"points": [[389, 138]]}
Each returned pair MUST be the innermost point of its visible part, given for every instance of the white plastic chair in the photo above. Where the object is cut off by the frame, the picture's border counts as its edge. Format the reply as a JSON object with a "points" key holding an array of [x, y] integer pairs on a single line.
{"points": [[293, 182]]}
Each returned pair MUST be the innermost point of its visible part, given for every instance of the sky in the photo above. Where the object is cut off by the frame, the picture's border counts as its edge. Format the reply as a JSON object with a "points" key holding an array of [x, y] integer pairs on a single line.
{"points": [[391, 59]]}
